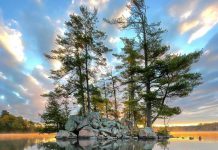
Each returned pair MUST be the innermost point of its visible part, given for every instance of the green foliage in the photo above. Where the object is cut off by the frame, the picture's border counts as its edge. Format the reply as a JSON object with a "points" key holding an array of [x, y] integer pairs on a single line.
{"points": [[161, 75], [80, 50], [163, 132], [56, 112], [11, 123]]}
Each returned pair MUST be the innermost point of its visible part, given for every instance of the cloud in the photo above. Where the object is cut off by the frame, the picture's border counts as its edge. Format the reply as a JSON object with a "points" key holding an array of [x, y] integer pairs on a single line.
{"points": [[206, 20], [114, 40], [100, 4], [201, 104], [2, 76], [195, 17], [11, 41]]}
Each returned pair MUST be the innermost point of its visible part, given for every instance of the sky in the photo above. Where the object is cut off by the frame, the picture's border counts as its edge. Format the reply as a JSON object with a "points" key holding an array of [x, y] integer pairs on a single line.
{"points": [[28, 29]]}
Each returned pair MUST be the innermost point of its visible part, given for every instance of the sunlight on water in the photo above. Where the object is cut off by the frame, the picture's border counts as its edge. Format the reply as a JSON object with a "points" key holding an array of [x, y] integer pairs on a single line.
{"points": [[182, 141]]}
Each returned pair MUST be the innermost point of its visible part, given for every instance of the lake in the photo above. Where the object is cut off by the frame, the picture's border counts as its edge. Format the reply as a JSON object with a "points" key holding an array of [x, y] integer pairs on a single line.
{"points": [[208, 141]]}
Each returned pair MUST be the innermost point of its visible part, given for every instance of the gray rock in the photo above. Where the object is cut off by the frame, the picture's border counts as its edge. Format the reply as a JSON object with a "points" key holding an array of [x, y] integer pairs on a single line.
{"points": [[106, 130], [147, 133], [82, 124], [93, 115], [63, 134], [88, 132], [91, 119], [114, 131], [109, 124], [95, 124], [73, 122]]}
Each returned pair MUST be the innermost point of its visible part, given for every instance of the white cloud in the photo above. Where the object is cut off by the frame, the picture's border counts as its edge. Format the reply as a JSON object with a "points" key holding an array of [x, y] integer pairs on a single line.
{"points": [[114, 40], [123, 12], [22, 88], [2, 97], [34, 80], [56, 65], [99, 4], [195, 18], [2, 76], [11, 41], [95, 3], [208, 19]]}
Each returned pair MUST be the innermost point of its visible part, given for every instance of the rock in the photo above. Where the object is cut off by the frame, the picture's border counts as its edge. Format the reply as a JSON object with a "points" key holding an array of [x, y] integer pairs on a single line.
{"points": [[88, 132], [93, 115], [95, 124], [83, 123], [127, 123], [101, 137], [73, 122], [63, 134], [105, 130], [147, 133], [125, 137], [109, 124], [89, 120], [114, 131]]}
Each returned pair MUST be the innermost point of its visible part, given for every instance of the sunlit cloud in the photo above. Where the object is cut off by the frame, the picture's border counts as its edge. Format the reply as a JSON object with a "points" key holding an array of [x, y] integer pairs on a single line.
{"points": [[56, 65], [11, 41], [194, 18], [208, 19], [34, 80]]}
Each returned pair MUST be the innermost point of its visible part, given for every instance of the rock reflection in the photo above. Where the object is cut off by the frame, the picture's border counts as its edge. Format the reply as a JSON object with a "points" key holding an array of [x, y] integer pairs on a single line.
{"points": [[107, 145]]}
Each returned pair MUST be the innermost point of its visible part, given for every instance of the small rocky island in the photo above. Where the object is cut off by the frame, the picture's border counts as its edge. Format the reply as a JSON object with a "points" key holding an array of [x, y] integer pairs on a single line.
{"points": [[92, 126]]}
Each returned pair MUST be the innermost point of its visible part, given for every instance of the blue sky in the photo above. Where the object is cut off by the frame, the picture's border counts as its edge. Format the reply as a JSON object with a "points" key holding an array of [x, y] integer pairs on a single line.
{"points": [[28, 29]]}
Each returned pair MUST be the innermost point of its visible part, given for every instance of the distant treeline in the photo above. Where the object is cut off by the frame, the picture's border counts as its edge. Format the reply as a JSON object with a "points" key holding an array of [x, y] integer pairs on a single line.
{"points": [[200, 127], [11, 123]]}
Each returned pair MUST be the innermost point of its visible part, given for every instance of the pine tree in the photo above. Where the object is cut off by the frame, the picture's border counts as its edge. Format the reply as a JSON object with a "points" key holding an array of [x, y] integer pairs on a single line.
{"points": [[94, 48], [162, 75], [56, 111], [79, 50], [128, 72]]}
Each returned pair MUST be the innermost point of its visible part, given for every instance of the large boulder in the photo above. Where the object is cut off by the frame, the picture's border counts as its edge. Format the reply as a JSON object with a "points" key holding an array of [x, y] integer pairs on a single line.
{"points": [[63, 134], [88, 132], [91, 119], [96, 124], [73, 122], [147, 133]]}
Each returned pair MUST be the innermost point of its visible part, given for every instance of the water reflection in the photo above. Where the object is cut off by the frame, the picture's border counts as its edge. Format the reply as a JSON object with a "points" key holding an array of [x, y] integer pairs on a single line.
{"points": [[48, 144], [18, 144], [107, 145]]}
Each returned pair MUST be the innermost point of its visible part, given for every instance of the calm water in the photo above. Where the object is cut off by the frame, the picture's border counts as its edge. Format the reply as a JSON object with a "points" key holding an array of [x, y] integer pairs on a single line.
{"points": [[209, 141]]}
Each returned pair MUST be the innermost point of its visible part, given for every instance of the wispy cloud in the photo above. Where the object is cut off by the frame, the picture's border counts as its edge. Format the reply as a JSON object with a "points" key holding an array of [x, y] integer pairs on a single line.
{"points": [[195, 18]]}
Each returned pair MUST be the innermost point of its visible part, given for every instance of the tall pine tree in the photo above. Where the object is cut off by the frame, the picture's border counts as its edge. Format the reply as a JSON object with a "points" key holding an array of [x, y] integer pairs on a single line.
{"points": [[162, 75]]}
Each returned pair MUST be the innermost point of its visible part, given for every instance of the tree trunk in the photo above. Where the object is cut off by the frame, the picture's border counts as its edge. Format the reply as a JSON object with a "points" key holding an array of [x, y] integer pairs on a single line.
{"points": [[115, 98], [87, 81], [147, 82], [105, 97], [149, 122], [82, 91]]}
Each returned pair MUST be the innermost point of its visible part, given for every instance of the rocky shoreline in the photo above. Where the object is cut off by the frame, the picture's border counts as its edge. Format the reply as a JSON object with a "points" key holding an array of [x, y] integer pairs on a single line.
{"points": [[94, 127]]}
